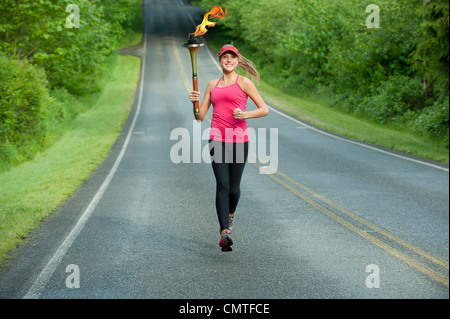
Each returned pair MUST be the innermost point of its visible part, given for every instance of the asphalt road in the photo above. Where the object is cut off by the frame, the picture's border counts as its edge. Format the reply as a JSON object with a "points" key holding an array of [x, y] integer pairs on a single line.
{"points": [[338, 218]]}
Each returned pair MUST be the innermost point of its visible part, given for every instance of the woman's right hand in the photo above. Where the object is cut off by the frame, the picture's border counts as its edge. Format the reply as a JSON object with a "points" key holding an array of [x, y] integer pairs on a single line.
{"points": [[194, 96]]}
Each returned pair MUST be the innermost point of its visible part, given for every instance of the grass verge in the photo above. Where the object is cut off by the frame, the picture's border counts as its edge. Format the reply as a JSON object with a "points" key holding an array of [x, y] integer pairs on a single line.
{"points": [[35, 189]]}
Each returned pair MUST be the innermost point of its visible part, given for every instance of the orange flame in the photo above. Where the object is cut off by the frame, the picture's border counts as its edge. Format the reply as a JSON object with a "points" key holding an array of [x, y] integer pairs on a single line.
{"points": [[215, 12]]}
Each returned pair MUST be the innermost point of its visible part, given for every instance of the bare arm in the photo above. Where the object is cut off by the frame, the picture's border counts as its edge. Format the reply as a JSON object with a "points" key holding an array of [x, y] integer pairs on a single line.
{"points": [[250, 89]]}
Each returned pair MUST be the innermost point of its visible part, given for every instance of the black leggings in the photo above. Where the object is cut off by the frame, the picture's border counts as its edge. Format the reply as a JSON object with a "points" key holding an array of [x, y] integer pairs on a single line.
{"points": [[228, 162]]}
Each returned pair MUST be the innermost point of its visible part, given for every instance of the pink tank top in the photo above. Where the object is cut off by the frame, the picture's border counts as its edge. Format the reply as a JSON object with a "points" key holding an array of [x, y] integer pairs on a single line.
{"points": [[224, 127]]}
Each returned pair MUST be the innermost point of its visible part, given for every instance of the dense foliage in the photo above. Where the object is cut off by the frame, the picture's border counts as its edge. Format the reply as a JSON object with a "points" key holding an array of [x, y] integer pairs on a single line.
{"points": [[395, 73], [49, 53]]}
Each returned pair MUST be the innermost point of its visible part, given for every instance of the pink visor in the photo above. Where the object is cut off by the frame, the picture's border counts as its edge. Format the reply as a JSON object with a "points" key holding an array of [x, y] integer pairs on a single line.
{"points": [[228, 48]]}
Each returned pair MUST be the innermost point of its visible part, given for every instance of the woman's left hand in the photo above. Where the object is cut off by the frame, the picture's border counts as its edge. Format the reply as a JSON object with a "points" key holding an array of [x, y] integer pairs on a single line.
{"points": [[238, 114]]}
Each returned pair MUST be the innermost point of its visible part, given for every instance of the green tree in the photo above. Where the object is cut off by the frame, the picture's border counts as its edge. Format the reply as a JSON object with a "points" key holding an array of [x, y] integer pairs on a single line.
{"points": [[431, 57], [72, 57]]}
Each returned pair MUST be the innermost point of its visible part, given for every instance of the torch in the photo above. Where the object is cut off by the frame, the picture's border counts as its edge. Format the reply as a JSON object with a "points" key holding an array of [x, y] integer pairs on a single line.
{"points": [[192, 45]]}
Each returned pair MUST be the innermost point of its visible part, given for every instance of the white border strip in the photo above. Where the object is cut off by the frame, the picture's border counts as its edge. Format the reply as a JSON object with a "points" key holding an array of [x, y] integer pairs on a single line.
{"points": [[41, 281]]}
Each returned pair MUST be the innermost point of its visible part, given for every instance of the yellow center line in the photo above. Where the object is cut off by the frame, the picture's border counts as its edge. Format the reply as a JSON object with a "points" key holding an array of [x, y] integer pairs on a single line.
{"points": [[417, 250], [395, 252]]}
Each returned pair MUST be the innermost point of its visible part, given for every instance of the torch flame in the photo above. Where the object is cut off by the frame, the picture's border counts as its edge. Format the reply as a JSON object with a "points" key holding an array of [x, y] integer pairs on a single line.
{"points": [[215, 12]]}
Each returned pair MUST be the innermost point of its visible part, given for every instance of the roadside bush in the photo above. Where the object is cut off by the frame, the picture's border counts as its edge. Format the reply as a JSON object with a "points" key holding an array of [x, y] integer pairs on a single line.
{"points": [[434, 120], [393, 98], [24, 105]]}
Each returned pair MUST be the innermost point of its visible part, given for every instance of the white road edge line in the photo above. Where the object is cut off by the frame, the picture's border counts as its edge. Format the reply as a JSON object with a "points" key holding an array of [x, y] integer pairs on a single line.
{"points": [[41, 281], [328, 134]]}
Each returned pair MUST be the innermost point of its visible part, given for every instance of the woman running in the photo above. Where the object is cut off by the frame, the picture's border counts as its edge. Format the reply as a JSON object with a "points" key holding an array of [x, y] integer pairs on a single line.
{"points": [[228, 142]]}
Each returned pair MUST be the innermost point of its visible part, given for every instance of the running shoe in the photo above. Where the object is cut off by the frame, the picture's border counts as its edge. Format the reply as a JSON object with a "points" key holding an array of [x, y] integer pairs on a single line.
{"points": [[226, 241]]}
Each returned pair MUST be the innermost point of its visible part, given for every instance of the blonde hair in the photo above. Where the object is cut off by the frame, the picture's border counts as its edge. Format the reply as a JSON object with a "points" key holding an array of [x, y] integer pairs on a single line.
{"points": [[248, 67]]}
